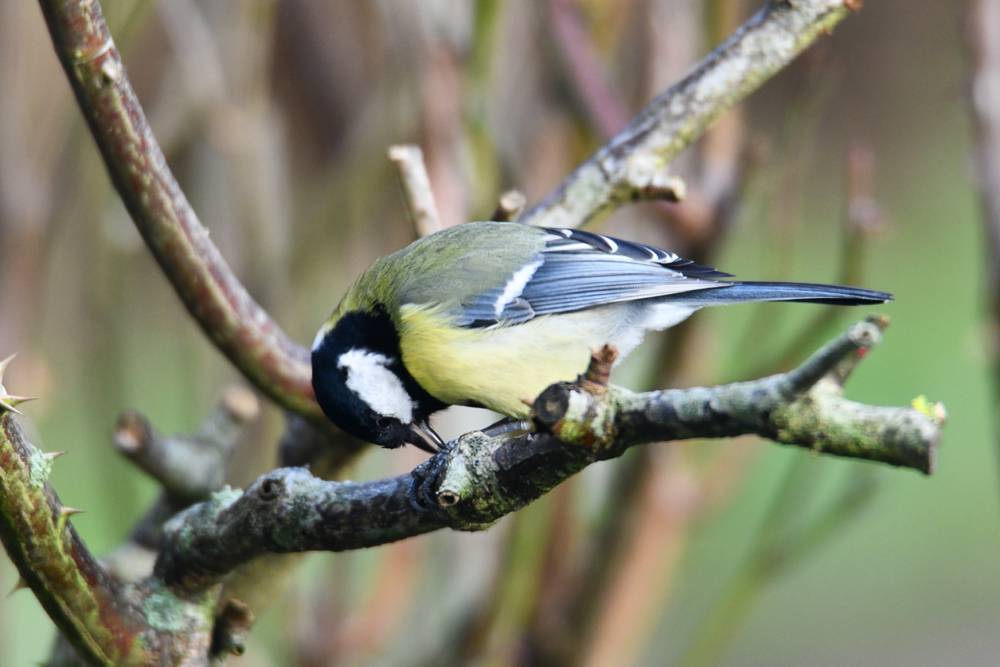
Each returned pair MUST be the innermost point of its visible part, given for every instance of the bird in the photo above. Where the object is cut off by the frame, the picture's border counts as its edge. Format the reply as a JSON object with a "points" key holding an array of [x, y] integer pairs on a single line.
{"points": [[489, 314]]}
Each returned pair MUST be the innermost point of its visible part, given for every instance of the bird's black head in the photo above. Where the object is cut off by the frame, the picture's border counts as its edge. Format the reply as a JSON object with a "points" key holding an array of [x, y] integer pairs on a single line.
{"points": [[363, 387]]}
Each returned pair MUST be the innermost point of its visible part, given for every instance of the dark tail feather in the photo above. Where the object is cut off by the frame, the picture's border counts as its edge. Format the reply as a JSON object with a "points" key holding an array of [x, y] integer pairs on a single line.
{"points": [[741, 292]]}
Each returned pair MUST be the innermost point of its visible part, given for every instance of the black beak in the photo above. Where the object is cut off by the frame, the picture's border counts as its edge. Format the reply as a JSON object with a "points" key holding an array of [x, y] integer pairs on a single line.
{"points": [[424, 437]]}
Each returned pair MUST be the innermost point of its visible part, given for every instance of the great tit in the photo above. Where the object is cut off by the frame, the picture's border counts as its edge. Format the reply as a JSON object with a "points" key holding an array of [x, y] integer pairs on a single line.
{"points": [[489, 314]]}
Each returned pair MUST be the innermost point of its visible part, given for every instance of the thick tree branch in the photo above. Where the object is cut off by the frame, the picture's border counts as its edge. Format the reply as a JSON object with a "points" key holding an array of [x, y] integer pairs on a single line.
{"points": [[482, 479], [632, 166]]}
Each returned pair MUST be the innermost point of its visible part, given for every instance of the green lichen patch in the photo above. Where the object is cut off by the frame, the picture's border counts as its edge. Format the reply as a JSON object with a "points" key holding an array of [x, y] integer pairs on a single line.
{"points": [[39, 467], [165, 611], [226, 496]]}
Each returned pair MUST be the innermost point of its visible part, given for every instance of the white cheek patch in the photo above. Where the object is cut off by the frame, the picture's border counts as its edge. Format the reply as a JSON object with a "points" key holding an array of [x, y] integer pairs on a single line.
{"points": [[516, 285], [376, 385]]}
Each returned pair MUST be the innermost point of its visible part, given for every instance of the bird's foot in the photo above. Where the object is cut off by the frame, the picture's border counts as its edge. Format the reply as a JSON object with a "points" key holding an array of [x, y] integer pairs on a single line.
{"points": [[423, 484]]}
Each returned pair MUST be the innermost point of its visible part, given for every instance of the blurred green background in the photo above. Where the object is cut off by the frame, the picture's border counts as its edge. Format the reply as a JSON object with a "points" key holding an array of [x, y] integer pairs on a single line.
{"points": [[276, 116]]}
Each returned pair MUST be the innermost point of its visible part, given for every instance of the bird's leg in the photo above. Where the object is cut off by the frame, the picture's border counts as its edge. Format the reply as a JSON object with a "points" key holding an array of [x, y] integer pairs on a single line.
{"points": [[506, 425]]}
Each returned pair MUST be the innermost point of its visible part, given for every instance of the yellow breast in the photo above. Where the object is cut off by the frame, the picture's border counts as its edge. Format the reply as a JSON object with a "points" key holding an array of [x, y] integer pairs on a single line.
{"points": [[498, 367]]}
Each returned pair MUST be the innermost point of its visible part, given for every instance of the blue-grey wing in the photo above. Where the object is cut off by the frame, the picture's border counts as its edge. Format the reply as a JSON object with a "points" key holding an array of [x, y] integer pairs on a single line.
{"points": [[577, 270]]}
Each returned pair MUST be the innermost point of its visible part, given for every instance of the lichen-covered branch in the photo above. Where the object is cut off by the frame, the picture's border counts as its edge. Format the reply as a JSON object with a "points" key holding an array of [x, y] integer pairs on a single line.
{"points": [[481, 479], [216, 299], [804, 407], [632, 166]]}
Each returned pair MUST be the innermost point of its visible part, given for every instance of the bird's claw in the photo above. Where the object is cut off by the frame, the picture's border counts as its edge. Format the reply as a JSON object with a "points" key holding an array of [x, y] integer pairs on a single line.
{"points": [[423, 485]]}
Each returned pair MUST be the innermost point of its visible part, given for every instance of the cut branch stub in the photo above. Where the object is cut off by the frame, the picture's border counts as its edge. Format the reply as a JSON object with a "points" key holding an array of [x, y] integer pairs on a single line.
{"points": [[189, 468], [550, 406], [599, 370], [509, 207]]}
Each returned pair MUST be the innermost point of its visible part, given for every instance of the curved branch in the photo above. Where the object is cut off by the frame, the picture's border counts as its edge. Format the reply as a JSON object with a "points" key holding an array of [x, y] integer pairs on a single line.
{"points": [[235, 323], [632, 166], [481, 479]]}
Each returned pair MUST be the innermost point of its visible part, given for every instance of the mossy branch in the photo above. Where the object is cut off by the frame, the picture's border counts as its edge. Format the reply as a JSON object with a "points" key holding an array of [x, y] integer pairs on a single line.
{"points": [[107, 623], [481, 479]]}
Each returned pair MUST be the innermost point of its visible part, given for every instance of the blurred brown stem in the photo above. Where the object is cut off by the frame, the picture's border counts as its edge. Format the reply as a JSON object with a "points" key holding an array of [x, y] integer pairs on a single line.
{"points": [[983, 43]]}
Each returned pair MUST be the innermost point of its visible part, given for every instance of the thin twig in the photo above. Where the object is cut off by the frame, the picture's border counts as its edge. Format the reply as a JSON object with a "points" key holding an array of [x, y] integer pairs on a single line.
{"points": [[412, 171], [510, 206], [190, 468]]}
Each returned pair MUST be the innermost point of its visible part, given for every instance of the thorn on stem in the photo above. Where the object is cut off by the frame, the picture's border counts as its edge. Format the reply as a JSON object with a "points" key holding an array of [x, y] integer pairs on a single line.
{"points": [[4, 364], [21, 584]]}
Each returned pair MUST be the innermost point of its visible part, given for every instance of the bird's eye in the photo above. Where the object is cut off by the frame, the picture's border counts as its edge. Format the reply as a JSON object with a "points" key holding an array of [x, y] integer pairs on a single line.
{"points": [[383, 422]]}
